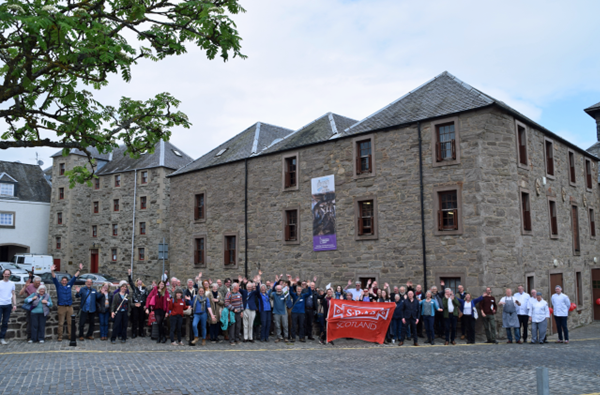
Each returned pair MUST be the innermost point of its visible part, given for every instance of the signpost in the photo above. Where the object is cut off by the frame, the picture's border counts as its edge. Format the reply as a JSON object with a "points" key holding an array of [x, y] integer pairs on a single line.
{"points": [[163, 253]]}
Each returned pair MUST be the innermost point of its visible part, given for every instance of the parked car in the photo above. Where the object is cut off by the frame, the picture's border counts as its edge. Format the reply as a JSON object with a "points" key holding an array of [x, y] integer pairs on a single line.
{"points": [[19, 278], [47, 277], [28, 262], [12, 267], [97, 279]]}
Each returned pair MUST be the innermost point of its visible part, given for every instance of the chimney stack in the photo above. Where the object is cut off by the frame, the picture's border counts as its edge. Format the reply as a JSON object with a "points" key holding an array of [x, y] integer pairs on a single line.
{"points": [[594, 112]]}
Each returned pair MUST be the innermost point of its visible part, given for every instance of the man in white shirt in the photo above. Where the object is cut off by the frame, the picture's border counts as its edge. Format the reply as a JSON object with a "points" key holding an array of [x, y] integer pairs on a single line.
{"points": [[8, 302], [356, 292], [538, 314], [522, 310], [561, 305]]}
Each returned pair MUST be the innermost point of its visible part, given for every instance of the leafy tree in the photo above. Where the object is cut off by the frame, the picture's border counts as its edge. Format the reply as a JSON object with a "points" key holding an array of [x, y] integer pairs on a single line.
{"points": [[53, 53]]}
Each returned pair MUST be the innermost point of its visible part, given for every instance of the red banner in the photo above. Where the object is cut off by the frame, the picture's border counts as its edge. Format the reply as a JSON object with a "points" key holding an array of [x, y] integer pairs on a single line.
{"points": [[359, 320]]}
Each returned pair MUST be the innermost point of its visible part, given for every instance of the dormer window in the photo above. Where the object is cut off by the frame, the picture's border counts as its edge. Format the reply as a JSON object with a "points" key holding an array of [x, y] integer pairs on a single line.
{"points": [[221, 152], [7, 189]]}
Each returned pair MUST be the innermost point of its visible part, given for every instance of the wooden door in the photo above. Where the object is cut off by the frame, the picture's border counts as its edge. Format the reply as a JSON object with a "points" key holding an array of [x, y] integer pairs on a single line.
{"points": [[94, 261], [596, 292], [555, 279], [57, 264]]}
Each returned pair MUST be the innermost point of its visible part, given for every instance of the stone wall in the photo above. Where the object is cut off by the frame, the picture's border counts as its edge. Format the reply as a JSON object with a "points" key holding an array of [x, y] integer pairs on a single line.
{"points": [[507, 255], [78, 219], [491, 251]]}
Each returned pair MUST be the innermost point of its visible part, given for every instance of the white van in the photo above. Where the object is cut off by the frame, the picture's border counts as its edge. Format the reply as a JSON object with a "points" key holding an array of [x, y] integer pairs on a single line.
{"points": [[41, 263]]}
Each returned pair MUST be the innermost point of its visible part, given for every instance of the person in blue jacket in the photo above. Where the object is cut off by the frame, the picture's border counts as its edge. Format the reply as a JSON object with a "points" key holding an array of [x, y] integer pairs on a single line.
{"points": [[64, 300], [298, 310], [281, 302], [429, 306], [88, 296]]}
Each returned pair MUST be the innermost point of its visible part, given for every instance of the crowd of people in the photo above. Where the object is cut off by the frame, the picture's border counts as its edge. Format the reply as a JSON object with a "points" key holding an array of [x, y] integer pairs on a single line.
{"points": [[285, 310]]}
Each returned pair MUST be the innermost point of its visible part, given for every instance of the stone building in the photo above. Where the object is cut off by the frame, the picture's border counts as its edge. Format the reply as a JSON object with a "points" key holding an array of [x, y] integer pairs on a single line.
{"points": [[117, 222], [24, 210], [444, 183]]}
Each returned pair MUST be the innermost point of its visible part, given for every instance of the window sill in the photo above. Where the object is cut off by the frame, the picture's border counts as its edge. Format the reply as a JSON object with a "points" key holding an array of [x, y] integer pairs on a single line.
{"points": [[447, 232], [363, 175], [7, 226], [573, 184], [199, 221], [446, 162], [290, 189], [550, 177], [553, 237], [230, 267], [526, 232], [291, 242], [589, 190], [522, 166], [366, 237]]}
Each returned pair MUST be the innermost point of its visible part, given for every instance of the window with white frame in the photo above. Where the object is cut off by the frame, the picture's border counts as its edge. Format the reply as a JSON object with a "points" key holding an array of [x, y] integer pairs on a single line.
{"points": [[7, 189], [7, 219]]}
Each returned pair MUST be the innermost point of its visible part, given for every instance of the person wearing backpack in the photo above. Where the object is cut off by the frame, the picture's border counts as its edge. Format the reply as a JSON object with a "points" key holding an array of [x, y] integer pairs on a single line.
{"points": [[201, 305], [41, 303]]}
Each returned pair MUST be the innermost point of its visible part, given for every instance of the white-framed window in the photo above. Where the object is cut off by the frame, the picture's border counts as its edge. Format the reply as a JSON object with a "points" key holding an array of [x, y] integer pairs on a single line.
{"points": [[7, 219], [7, 189]]}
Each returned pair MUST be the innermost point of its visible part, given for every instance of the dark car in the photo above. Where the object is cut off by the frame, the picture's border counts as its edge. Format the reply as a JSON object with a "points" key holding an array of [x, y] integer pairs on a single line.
{"points": [[47, 277]]}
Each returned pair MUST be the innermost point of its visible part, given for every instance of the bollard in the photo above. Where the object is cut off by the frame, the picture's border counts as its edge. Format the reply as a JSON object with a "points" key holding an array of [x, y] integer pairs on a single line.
{"points": [[543, 383], [73, 342]]}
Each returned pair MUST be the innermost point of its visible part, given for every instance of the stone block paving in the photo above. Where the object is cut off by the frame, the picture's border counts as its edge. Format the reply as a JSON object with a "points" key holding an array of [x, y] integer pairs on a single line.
{"points": [[142, 366]]}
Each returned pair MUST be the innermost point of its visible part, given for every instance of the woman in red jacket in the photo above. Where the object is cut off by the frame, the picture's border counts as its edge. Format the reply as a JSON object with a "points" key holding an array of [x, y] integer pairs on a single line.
{"points": [[176, 308], [158, 301]]}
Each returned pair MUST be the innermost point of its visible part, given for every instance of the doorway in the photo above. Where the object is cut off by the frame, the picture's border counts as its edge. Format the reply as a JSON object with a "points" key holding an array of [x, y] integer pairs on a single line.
{"points": [[365, 280], [57, 265], [94, 261], [596, 293], [555, 279]]}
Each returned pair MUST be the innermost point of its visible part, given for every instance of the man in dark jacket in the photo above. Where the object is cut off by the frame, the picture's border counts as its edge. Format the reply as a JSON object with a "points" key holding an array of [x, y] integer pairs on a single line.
{"points": [[88, 297], [312, 305], [138, 314], [411, 313]]}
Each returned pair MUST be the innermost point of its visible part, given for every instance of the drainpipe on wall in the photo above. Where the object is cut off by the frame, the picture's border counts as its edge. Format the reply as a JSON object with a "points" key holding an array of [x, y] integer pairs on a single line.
{"points": [[422, 207], [133, 224], [246, 219]]}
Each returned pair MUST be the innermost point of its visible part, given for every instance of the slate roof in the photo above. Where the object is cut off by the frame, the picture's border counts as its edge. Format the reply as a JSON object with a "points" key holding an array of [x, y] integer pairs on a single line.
{"points": [[593, 108], [320, 130], [441, 96], [444, 95], [31, 185], [92, 150], [165, 155], [250, 142]]}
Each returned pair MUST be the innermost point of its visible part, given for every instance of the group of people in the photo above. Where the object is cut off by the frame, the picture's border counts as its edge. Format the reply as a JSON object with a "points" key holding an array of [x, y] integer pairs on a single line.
{"points": [[285, 309]]}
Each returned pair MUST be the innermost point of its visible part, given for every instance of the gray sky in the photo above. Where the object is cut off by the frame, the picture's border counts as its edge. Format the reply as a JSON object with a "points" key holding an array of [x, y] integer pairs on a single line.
{"points": [[306, 58]]}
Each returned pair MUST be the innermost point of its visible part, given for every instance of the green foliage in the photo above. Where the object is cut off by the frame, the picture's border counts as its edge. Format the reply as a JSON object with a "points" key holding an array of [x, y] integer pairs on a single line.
{"points": [[54, 53]]}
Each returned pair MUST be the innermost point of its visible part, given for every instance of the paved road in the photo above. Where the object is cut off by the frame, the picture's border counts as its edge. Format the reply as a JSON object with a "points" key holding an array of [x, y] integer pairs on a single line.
{"points": [[143, 367]]}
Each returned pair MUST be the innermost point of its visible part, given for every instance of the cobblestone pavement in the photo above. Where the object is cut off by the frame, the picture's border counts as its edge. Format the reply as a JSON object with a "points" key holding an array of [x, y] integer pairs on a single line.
{"points": [[142, 366]]}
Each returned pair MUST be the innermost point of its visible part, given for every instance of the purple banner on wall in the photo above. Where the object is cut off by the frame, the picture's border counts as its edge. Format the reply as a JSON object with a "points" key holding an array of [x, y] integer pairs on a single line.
{"points": [[323, 212]]}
